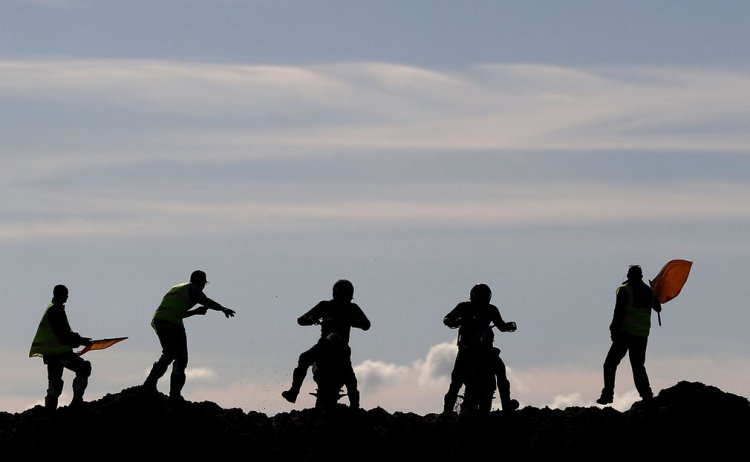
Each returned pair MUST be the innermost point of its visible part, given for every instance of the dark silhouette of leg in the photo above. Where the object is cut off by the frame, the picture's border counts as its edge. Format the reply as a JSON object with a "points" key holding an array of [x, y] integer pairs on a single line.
{"points": [[54, 384], [457, 381], [616, 352], [306, 359], [158, 370], [503, 384], [82, 369], [177, 378], [637, 354], [173, 340], [351, 387]]}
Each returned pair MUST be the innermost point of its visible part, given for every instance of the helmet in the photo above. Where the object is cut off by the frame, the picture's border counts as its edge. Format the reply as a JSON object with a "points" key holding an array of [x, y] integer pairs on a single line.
{"points": [[59, 291], [343, 290], [480, 293]]}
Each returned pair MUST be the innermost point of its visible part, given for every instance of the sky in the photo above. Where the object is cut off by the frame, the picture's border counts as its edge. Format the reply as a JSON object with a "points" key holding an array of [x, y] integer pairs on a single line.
{"points": [[413, 147]]}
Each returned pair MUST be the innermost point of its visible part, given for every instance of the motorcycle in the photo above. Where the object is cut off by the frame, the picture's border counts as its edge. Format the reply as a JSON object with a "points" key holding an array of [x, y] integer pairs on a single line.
{"points": [[480, 383], [481, 362], [331, 372]]}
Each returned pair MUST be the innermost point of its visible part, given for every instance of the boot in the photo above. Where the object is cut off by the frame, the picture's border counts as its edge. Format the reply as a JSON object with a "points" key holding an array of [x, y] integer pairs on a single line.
{"points": [[76, 402], [290, 395], [449, 402], [79, 388], [176, 382], [606, 398], [509, 404], [157, 371], [50, 403], [298, 376], [503, 388], [353, 398]]}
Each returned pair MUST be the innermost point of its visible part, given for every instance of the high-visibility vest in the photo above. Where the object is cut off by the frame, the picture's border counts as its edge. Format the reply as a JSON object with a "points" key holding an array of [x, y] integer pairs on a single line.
{"points": [[175, 304], [45, 341], [637, 319]]}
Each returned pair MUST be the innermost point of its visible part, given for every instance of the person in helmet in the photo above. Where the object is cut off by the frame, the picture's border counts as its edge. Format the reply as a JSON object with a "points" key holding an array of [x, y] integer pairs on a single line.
{"points": [[474, 320], [54, 342], [336, 317], [168, 323], [629, 330]]}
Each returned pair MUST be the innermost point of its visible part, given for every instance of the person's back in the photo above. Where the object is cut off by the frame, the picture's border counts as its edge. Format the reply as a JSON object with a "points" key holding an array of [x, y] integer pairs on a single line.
{"points": [[474, 322], [634, 301]]}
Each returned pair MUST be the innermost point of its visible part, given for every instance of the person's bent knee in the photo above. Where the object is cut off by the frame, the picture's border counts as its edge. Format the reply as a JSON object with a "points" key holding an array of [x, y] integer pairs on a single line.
{"points": [[306, 359], [85, 370]]}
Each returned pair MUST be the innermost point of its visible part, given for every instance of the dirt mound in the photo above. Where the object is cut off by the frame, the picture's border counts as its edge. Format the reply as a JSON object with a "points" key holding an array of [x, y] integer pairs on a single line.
{"points": [[685, 420]]}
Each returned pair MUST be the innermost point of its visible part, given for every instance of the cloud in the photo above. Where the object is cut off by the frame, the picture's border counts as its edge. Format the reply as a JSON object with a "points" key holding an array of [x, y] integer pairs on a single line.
{"points": [[71, 215], [388, 106], [132, 148], [420, 386], [201, 374]]}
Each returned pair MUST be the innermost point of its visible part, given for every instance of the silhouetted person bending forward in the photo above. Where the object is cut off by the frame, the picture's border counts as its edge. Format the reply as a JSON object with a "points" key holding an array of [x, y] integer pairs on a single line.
{"points": [[168, 324]]}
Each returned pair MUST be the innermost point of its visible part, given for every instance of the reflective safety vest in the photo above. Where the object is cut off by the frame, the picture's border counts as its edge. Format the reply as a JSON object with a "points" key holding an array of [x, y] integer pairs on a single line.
{"points": [[175, 304], [637, 319], [45, 341]]}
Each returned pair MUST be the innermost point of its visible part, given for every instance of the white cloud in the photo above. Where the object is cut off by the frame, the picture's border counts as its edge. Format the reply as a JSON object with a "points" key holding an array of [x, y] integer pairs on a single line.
{"points": [[203, 374], [556, 386]]}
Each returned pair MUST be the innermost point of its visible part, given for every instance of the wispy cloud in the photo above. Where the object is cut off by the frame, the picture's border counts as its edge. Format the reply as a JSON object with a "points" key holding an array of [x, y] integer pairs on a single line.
{"points": [[387, 106], [107, 133], [81, 215]]}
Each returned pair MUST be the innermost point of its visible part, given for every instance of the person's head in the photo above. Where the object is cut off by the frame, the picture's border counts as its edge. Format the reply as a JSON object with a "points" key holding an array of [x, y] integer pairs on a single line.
{"points": [[635, 272], [60, 293], [480, 293], [343, 290], [198, 278]]}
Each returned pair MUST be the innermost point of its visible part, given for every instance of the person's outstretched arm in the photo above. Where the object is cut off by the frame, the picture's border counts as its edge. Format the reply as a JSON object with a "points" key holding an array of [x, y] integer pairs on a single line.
{"points": [[210, 304]]}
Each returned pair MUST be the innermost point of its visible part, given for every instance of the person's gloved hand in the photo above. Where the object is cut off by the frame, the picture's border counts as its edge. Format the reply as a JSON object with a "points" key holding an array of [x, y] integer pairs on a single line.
{"points": [[228, 312], [452, 323]]}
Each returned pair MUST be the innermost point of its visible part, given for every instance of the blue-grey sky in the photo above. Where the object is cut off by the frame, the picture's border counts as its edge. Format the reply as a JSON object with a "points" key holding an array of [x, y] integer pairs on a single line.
{"points": [[413, 147]]}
